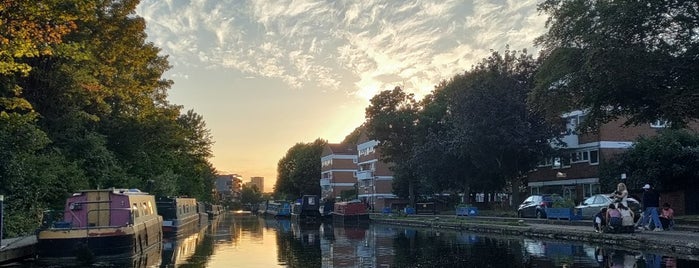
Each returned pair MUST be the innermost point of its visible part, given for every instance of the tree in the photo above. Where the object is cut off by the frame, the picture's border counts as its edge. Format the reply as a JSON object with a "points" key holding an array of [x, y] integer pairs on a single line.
{"points": [[250, 194], [391, 120], [635, 60], [298, 171], [481, 134], [668, 161]]}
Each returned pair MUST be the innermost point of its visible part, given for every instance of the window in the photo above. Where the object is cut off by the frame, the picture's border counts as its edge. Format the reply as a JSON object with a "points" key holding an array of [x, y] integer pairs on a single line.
{"points": [[594, 157], [546, 162]]}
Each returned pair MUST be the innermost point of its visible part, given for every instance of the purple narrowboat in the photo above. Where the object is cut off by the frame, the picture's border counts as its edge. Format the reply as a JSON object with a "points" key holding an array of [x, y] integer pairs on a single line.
{"points": [[102, 225]]}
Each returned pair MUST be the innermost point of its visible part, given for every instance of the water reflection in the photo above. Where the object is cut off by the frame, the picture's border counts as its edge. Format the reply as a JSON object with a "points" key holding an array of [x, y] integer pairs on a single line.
{"points": [[250, 241]]}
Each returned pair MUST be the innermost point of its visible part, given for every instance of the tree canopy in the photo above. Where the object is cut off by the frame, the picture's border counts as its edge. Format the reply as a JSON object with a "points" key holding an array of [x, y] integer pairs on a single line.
{"points": [[298, 171], [83, 105], [635, 60]]}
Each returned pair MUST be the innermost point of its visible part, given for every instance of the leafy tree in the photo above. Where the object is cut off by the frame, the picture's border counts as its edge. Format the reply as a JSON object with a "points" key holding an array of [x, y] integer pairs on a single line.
{"points": [[669, 161], [635, 60], [477, 132], [299, 170], [250, 194], [392, 121], [353, 138]]}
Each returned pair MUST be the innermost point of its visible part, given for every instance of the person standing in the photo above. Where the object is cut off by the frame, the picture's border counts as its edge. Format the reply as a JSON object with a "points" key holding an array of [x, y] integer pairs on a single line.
{"points": [[651, 202]]}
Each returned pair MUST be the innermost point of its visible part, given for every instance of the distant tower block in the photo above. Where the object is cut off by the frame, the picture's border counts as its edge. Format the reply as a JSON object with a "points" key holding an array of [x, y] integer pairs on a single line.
{"points": [[259, 182]]}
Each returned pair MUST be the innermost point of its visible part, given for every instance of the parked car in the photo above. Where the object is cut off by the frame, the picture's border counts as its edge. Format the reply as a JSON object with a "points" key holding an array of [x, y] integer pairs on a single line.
{"points": [[535, 205], [593, 204]]}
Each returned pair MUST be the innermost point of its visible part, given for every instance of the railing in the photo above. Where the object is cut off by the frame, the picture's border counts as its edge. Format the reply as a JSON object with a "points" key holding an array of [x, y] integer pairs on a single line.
{"points": [[365, 175]]}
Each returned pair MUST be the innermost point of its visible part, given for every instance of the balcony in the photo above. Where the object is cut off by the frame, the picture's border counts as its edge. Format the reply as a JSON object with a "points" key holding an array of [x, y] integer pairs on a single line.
{"points": [[365, 175], [324, 182]]}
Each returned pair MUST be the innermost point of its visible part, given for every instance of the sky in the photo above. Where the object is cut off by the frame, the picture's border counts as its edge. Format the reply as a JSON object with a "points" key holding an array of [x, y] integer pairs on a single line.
{"points": [[269, 74]]}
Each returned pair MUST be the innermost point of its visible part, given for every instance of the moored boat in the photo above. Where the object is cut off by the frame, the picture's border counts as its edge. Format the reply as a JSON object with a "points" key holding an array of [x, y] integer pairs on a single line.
{"points": [[350, 212], [214, 210], [102, 224], [278, 209], [306, 209], [179, 214]]}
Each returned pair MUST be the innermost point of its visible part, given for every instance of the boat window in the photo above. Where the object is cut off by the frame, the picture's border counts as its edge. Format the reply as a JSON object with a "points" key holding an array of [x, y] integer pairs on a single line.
{"points": [[75, 206], [150, 207], [145, 209], [135, 210]]}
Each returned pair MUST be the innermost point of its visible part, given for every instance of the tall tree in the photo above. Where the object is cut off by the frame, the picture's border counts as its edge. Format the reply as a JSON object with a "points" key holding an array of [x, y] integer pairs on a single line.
{"points": [[628, 59], [392, 121], [298, 171], [495, 133]]}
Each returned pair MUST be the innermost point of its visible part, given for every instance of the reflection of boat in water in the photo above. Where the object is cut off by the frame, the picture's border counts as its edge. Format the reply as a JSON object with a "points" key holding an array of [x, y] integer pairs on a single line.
{"points": [[351, 212], [106, 224], [178, 251], [306, 209], [180, 215]]}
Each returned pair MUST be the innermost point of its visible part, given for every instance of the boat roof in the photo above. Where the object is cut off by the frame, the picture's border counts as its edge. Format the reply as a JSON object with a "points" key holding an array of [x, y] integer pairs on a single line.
{"points": [[132, 191]]}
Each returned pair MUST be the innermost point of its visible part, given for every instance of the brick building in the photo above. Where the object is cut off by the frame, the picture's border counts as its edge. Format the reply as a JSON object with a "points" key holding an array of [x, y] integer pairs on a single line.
{"points": [[338, 170], [575, 172], [374, 177]]}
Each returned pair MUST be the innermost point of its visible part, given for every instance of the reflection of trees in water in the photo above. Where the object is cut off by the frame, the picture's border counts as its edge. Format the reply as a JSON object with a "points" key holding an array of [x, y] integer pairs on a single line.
{"points": [[300, 248], [425, 249]]}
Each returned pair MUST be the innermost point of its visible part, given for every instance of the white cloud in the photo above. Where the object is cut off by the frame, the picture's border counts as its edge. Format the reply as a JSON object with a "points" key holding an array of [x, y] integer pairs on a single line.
{"points": [[365, 46]]}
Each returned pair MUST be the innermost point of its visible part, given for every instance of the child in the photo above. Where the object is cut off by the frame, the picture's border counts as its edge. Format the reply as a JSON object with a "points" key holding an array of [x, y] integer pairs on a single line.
{"points": [[666, 215], [600, 221]]}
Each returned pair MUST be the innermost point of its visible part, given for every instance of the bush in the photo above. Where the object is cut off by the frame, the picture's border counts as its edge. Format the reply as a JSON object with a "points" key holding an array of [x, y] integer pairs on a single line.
{"points": [[562, 203]]}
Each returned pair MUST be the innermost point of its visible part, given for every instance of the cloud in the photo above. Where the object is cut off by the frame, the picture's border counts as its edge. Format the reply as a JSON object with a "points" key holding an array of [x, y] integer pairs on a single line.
{"points": [[359, 46]]}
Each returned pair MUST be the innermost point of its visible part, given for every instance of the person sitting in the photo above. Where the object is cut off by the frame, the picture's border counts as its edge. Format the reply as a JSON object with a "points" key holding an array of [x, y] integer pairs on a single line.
{"points": [[627, 224], [600, 222], [613, 218], [667, 215]]}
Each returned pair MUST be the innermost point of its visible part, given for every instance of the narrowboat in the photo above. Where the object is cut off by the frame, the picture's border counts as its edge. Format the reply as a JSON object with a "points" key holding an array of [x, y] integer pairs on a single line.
{"points": [[326, 210], [203, 216], [351, 212], [278, 208], [103, 224], [214, 210], [179, 214], [306, 209]]}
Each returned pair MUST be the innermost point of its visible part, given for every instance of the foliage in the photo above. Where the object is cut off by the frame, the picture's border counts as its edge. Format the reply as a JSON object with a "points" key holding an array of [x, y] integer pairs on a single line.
{"points": [[668, 161], [353, 138], [392, 121], [560, 202], [634, 60], [349, 194], [476, 130], [250, 194], [299, 170], [83, 105]]}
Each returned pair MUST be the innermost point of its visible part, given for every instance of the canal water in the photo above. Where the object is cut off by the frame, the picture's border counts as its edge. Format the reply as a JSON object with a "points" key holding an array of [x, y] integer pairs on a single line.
{"points": [[251, 241]]}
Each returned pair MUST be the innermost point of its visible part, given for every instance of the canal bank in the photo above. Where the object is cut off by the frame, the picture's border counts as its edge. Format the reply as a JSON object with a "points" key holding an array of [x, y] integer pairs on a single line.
{"points": [[683, 241]]}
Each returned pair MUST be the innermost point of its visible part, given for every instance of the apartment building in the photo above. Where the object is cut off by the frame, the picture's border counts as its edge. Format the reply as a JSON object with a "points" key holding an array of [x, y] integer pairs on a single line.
{"points": [[259, 182], [575, 173], [338, 170], [229, 187], [374, 177]]}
